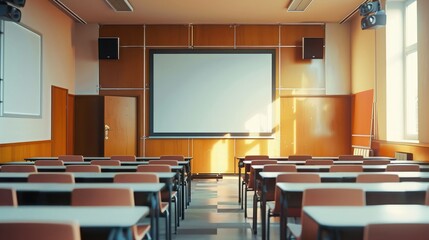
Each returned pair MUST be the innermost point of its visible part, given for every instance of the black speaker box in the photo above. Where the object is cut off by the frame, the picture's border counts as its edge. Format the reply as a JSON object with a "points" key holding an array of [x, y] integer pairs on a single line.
{"points": [[9, 13], [108, 48], [373, 21], [312, 48]]}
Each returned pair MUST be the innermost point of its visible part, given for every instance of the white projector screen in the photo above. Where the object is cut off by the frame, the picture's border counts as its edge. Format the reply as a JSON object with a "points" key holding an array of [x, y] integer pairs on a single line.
{"points": [[211, 93]]}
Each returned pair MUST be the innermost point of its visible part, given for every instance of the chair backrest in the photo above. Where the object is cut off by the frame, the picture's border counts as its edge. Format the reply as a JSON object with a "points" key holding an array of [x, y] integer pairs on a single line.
{"points": [[83, 168], [19, 168], [375, 162], [49, 163], [299, 157], [292, 178], [124, 158], [8, 197], [396, 231], [166, 162], [71, 158], [251, 182], [172, 157], [40, 230], [279, 168], [377, 178], [51, 178], [106, 162], [102, 197], [350, 157], [346, 168], [154, 168], [319, 162], [327, 197], [403, 168]]}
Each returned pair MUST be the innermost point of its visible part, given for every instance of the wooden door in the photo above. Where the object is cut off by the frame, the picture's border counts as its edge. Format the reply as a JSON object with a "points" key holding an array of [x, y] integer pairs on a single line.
{"points": [[58, 120], [120, 121]]}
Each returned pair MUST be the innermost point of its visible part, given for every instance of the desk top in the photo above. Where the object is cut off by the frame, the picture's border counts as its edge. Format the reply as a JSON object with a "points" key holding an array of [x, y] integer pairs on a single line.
{"points": [[89, 158], [326, 158], [333, 217], [353, 175], [161, 175], [347, 162], [367, 187], [123, 164], [85, 216], [68, 187]]}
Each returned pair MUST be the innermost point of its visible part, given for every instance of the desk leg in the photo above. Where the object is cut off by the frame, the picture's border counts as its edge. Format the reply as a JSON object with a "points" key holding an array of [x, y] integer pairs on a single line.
{"points": [[255, 214], [189, 182], [170, 190], [182, 182], [283, 219], [239, 183], [263, 205]]}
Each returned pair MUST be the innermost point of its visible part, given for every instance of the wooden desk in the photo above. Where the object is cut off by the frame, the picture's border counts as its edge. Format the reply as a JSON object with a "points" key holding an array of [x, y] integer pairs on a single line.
{"points": [[60, 194], [376, 193], [117, 220], [332, 222], [268, 181]]}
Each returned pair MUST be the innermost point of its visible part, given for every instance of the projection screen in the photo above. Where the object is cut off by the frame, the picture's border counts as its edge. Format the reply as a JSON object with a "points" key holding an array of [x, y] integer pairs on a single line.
{"points": [[211, 93]]}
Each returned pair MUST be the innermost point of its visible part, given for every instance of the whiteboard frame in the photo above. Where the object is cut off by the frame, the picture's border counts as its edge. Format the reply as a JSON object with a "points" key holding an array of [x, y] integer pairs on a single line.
{"points": [[4, 112]]}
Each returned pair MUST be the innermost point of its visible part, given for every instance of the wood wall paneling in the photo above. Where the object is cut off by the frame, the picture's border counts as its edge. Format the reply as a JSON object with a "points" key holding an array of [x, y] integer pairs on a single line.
{"points": [[127, 72], [383, 148], [361, 117], [257, 35], [129, 35], [213, 156], [213, 35], [59, 128], [314, 125], [167, 35], [300, 74], [19, 151], [158, 147], [70, 124], [291, 35]]}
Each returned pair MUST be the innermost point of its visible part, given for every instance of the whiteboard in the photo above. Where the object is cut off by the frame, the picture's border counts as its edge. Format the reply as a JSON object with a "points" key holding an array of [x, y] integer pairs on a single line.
{"points": [[211, 93], [21, 71]]}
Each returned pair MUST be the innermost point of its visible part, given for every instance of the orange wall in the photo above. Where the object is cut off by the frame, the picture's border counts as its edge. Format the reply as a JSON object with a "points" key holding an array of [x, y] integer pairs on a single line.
{"points": [[293, 75]]}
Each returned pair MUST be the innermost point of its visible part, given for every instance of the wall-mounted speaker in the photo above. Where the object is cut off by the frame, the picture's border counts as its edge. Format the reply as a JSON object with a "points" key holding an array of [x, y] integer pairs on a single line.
{"points": [[369, 7], [373, 21], [9, 13], [108, 48], [312, 48]]}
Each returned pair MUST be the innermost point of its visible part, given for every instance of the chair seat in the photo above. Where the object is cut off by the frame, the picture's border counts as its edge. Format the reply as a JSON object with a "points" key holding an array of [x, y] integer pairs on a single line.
{"points": [[164, 207], [295, 229], [291, 212], [140, 231]]}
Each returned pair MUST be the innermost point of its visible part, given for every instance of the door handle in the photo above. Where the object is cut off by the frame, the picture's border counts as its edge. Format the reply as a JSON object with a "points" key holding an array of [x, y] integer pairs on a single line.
{"points": [[106, 131]]}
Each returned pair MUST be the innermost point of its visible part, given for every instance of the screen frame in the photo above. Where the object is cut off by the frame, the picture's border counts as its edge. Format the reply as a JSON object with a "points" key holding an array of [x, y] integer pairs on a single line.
{"points": [[153, 134]]}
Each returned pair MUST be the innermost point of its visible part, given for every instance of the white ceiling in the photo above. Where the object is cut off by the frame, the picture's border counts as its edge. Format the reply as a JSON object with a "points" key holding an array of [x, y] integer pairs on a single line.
{"points": [[212, 12]]}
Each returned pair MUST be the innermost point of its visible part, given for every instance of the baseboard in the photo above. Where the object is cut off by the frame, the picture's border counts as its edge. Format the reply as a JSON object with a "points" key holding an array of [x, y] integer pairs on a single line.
{"points": [[207, 176]]}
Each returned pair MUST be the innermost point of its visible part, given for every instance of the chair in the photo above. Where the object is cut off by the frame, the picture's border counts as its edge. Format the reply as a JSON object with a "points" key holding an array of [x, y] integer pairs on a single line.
{"points": [[19, 168], [377, 178], [146, 178], [40, 230], [299, 157], [251, 184], [108, 197], [375, 162], [350, 157], [166, 162], [51, 178], [402, 168], [49, 163], [274, 206], [319, 162], [396, 231], [346, 168], [245, 177], [83, 168], [164, 196], [71, 158], [106, 162], [279, 168], [8, 197], [124, 158], [324, 197]]}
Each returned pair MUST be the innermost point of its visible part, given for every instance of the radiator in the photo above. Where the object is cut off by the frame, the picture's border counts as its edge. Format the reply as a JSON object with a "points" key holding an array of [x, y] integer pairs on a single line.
{"points": [[403, 156], [366, 152]]}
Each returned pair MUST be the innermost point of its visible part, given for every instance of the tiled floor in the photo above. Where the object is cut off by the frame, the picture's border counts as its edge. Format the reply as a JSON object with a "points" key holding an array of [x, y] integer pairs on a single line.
{"points": [[214, 213]]}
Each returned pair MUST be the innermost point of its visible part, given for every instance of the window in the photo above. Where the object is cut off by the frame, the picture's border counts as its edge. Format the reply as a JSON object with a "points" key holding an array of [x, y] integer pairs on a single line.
{"points": [[402, 71]]}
